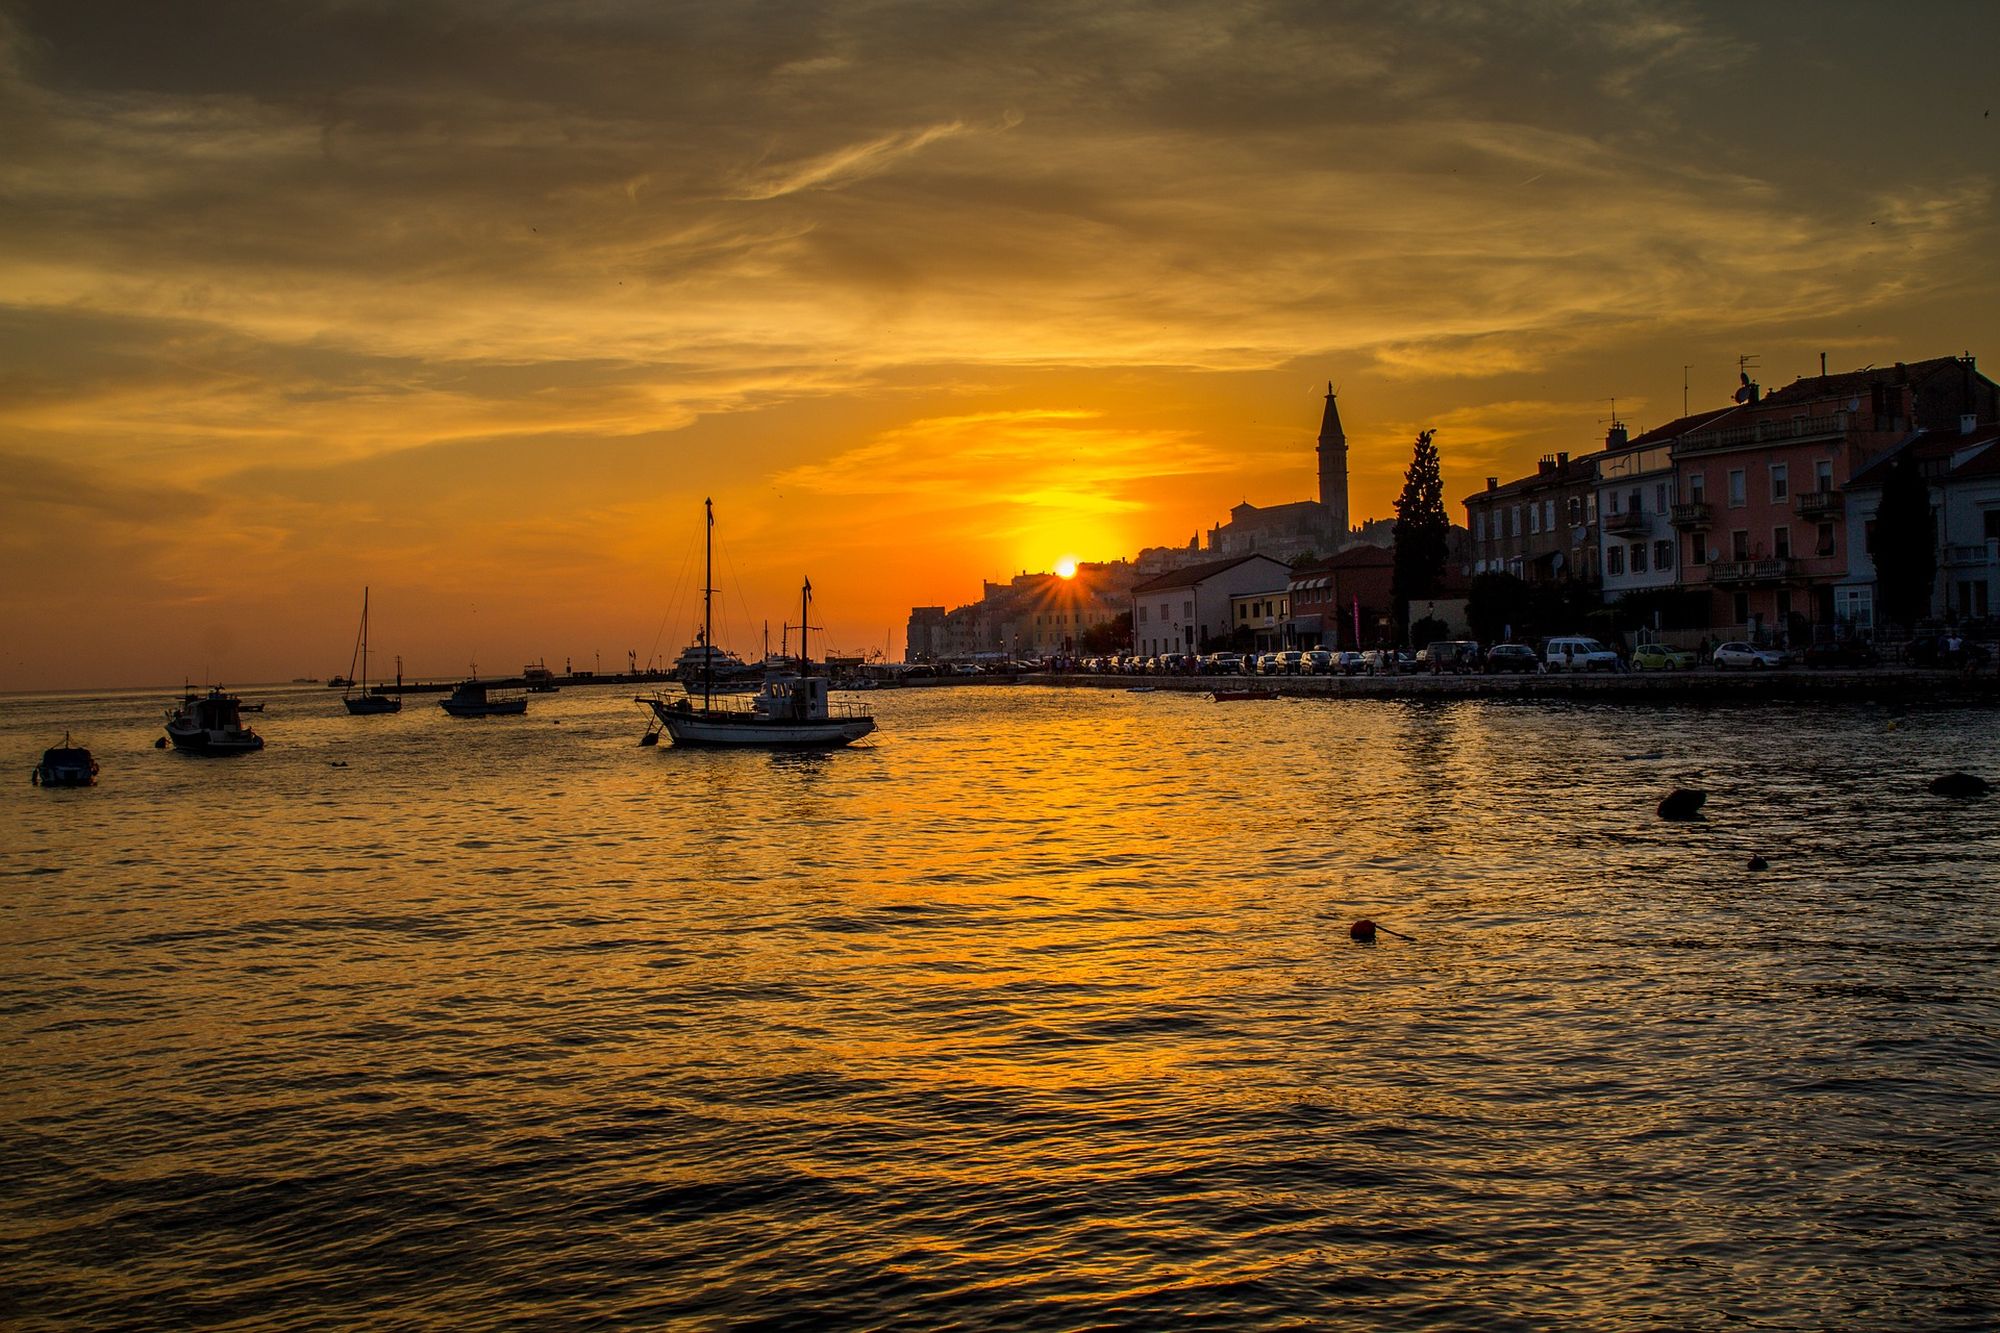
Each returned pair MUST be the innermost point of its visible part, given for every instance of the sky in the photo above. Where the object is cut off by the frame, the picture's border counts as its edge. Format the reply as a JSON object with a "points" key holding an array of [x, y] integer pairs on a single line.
{"points": [[472, 303]]}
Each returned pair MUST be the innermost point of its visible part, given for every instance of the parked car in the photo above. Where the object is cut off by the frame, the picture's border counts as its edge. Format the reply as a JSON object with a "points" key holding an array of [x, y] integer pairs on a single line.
{"points": [[1741, 655], [1453, 655], [1291, 662], [1318, 662], [1222, 664], [1511, 657], [1842, 653], [1387, 662], [1267, 664], [1348, 663], [1659, 657], [1576, 653]]}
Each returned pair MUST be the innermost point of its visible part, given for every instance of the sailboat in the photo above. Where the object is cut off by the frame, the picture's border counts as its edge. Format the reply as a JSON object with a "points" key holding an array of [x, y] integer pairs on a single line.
{"points": [[789, 711], [357, 698]]}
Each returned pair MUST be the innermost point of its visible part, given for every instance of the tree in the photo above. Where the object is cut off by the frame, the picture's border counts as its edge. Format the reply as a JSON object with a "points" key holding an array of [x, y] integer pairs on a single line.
{"points": [[1109, 636], [1421, 530], [1905, 545]]}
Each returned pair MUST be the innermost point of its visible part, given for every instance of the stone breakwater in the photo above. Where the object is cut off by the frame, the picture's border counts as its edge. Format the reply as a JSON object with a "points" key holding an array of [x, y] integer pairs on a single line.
{"points": [[1885, 685]]}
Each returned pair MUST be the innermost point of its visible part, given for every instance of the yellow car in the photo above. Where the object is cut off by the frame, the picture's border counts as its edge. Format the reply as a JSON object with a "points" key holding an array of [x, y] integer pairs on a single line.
{"points": [[1659, 657]]}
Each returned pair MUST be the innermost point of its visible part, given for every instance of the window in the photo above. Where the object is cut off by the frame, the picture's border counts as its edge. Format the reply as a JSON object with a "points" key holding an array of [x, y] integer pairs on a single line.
{"points": [[1739, 545], [1534, 518], [1549, 514], [1738, 495], [1698, 549], [1972, 597], [1165, 614], [1187, 610], [1575, 511], [1739, 605], [1479, 526], [1781, 543], [1637, 508], [1697, 484], [1638, 557], [1614, 561], [1514, 521], [1784, 605], [1825, 545], [1868, 536], [1992, 521], [1660, 498], [1823, 475], [1663, 555], [1781, 481], [1611, 498], [1856, 606], [1142, 615]]}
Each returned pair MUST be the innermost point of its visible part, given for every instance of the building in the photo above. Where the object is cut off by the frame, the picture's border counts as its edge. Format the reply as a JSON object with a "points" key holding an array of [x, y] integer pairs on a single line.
{"points": [[1963, 473], [1344, 602], [1289, 531], [1541, 528], [1638, 549], [1189, 610], [1261, 620], [924, 637]]}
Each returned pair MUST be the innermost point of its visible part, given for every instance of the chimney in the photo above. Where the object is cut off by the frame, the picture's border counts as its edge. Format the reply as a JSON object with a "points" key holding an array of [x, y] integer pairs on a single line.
{"points": [[1967, 423], [1615, 437], [1546, 466], [1493, 483], [1562, 460]]}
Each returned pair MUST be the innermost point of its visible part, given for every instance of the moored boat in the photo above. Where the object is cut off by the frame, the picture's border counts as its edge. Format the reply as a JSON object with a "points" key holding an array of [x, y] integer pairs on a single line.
{"points": [[65, 765], [790, 711], [357, 698], [211, 724], [472, 698]]}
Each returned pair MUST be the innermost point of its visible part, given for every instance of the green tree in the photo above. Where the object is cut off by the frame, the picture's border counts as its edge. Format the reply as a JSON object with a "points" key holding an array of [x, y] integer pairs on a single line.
{"points": [[1110, 636], [1499, 604], [1421, 531], [1905, 546]]}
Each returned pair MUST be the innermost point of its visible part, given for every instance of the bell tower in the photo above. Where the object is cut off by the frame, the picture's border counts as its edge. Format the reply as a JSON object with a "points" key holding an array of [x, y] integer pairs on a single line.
{"points": [[1333, 468]]}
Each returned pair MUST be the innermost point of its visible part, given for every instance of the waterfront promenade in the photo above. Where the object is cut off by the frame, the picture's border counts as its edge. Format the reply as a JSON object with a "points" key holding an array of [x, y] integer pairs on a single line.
{"points": [[1885, 685]]}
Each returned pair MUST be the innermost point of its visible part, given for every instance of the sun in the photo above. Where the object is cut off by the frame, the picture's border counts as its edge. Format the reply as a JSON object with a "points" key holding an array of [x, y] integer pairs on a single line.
{"points": [[1066, 567]]}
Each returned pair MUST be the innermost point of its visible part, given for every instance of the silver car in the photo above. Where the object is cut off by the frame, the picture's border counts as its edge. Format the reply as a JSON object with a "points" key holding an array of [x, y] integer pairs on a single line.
{"points": [[1741, 655]]}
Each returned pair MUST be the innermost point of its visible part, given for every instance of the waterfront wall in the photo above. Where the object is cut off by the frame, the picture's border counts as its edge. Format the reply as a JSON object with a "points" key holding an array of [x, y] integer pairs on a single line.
{"points": [[1886, 685]]}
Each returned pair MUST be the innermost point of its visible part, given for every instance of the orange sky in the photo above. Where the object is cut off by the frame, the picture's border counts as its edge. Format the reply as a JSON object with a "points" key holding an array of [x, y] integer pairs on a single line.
{"points": [[475, 307]]}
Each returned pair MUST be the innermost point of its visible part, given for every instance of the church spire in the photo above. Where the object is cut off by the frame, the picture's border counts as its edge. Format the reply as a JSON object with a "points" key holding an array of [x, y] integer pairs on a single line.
{"points": [[1333, 467]]}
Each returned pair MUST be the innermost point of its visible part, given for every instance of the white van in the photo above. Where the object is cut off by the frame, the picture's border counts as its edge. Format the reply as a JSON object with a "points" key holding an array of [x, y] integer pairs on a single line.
{"points": [[1576, 653]]}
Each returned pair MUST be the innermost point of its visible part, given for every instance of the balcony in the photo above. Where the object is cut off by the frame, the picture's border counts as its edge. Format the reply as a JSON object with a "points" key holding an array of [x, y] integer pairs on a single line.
{"points": [[1746, 572], [1820, 504], [1693, 515], [1970, 556], [1766, 431], [1629, 521]]}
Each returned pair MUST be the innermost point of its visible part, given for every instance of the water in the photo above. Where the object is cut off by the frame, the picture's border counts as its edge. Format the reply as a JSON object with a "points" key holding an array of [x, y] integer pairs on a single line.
{"points": [[1040, 1012]]}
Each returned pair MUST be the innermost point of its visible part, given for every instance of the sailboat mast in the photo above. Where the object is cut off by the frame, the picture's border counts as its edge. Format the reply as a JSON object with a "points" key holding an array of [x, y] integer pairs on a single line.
{"points": [[707, 604], [805, 623], [364, 639]]}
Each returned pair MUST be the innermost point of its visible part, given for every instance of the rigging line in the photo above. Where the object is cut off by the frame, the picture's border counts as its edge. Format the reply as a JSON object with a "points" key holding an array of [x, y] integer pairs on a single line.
{"points": [[674, 598], [741, 601]]}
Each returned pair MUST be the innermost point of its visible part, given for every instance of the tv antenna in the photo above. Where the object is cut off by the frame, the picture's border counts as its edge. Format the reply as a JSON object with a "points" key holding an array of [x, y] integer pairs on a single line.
{"points": [[1684, 389]]}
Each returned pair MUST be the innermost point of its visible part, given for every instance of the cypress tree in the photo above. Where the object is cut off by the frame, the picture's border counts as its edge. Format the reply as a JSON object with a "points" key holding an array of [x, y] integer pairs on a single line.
{"points": [[1905, 544], [1421, 529]]}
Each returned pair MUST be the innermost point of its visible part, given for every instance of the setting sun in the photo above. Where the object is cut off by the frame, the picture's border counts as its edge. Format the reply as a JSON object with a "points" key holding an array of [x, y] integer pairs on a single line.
{"points": [[1066, 567]]}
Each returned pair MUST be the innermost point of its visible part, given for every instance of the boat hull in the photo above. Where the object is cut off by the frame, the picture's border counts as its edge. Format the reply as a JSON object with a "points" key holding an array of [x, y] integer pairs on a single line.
{"points": [[369, 705], [718, 730], [195, 740], [491, 708]]}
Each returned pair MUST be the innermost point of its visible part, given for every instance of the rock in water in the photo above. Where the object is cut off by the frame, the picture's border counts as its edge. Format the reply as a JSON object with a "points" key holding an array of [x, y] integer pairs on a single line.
{"points": [[1682, 803], [1362, 932], [1759, 863], [1959, 784]]}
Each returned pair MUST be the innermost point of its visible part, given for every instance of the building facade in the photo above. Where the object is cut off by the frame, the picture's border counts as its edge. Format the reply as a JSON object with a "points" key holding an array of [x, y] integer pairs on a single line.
{"points": [[1541, 528], [1344, 601], [1189, 610], [1637, 547]]}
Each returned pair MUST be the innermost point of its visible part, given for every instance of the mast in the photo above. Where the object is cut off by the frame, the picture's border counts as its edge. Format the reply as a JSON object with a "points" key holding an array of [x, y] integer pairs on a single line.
{"points": [[363, 682], [707, 606], [805, 622]]}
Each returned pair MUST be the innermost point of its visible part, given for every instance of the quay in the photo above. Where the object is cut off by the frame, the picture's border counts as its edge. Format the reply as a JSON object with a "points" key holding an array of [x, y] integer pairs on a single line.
{"points": [[1884, 685]]}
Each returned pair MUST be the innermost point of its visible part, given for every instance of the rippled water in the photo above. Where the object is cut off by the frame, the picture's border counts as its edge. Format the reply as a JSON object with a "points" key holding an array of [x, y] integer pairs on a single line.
{"points": [[1040, 1012]]}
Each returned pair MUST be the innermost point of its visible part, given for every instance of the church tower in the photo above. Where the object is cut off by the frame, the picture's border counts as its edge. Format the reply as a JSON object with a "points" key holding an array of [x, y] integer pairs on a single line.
{"points": [[1333, 468]]}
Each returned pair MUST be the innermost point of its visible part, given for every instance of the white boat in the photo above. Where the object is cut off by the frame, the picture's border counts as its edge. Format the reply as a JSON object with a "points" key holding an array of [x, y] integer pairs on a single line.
{"points": [[719, 669], [357, 698], [65, 765], [471, 698], [790, 711], [211, 724]]}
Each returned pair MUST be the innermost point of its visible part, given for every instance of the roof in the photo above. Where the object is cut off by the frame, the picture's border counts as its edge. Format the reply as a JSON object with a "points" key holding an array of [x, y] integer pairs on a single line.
{"points": [[1937, 449], [1848, 383], [1189, 575], [1678, 427]]}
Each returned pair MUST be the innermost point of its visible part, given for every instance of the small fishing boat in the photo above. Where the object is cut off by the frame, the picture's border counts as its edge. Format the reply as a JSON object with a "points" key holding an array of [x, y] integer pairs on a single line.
{"points": [[539, 679], [790, 711], [1232, 696], [65, 765], [472, 698], [211, 724], [359, 701]]}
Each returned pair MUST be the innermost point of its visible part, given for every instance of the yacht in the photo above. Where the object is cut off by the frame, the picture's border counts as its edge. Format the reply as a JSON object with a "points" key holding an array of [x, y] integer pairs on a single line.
{"points": [[211, 724], [471, 698], [359, 701], [65, 765]]}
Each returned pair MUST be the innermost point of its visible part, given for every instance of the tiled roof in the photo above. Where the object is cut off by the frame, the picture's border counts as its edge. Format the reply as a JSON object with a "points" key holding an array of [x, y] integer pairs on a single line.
{"points": [[1189, 575], [1673, 430], [1848, 383]]}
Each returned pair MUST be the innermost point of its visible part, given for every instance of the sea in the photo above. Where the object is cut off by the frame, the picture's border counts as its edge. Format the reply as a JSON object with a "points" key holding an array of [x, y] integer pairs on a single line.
{"points": [[1039, 1010]]}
